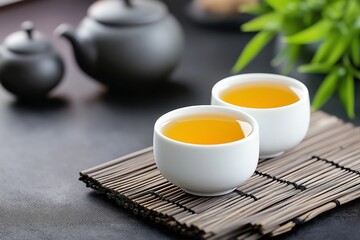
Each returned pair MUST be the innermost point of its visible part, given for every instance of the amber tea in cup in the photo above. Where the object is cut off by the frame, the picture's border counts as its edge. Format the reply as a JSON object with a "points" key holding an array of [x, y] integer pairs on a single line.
{"points": [[206, 150], [260, 95], [206, 129], [280, 105]]}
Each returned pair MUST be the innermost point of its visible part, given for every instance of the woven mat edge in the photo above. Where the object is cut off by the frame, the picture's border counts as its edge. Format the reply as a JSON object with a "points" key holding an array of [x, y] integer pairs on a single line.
{"points": [[136, 209]]}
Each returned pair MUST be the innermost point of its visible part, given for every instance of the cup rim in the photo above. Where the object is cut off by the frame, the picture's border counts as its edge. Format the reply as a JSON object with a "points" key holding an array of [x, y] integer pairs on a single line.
{"points": [[216, 90], [214, 109]]}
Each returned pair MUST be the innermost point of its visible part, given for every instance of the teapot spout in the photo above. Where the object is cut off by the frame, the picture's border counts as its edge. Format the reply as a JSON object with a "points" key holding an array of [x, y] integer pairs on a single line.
{"points": [[84, 49]]}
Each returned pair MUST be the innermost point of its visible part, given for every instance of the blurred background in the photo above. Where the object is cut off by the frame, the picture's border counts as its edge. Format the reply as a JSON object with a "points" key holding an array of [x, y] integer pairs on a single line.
{"points": [[81, 120]]}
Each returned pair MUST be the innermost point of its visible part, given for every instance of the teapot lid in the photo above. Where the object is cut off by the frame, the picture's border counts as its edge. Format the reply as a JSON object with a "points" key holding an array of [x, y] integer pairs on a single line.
{"points": [[127, 12], [27, 41]]}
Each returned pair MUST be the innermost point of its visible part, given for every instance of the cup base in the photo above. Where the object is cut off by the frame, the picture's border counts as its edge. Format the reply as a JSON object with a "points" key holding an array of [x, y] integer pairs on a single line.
{"points": [[208, 194], [271, 155]]}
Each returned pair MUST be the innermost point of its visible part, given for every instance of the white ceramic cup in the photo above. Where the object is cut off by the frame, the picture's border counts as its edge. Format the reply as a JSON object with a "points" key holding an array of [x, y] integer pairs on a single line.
{"points": [[281, 128], [207, 169]]}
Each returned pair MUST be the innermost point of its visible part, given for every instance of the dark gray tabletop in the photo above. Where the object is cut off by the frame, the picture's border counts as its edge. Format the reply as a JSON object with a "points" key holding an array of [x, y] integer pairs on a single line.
{"points": [[45, 145]]}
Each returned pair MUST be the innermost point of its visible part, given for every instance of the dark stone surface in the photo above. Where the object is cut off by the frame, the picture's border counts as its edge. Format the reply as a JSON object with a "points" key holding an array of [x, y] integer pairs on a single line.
{"points": [[45, 144]]}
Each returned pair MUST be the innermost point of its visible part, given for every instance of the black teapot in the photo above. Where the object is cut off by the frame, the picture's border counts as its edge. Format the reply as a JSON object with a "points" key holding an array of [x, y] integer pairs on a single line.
{"points": [[29, 65], [126, 44]]}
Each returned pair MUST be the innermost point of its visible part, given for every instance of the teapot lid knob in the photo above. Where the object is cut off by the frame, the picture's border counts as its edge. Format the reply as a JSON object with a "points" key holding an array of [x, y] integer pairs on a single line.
{"points": [[28, 27], [127, 12], [27, 41]]}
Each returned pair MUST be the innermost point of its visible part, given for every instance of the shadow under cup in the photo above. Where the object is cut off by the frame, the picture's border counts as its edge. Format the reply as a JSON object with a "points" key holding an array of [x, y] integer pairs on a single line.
{"points": [[206, 169], [281, 128]]}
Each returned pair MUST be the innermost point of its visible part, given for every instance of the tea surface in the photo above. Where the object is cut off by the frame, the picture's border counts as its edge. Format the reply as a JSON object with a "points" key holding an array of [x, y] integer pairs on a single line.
{"points": [[205, 129], [260, 95]]}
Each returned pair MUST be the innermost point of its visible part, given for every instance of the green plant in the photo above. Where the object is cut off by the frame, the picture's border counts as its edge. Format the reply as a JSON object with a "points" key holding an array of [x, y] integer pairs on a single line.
{"points": [[333, 25]]}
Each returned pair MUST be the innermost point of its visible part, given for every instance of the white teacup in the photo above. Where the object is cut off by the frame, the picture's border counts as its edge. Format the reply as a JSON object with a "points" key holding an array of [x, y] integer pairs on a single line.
{"points": [[207, 169], [281, 128]]}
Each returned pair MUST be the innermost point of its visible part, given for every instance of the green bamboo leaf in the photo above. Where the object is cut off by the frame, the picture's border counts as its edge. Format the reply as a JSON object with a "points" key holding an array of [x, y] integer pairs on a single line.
{"points": [[315, 5], [315, 68], [314, 33], [356, 74], [335, 9], [279, 5], [352, 10], [346, 94], [326, 47], [326, 89], [350, 67], [256, 44], [337, 50], [254, 9], [290, 26], [270, 21], [355, 50]]}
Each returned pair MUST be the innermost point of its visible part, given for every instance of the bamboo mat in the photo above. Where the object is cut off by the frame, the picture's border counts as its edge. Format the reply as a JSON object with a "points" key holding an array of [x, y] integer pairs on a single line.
{"points": [[319, 174]]}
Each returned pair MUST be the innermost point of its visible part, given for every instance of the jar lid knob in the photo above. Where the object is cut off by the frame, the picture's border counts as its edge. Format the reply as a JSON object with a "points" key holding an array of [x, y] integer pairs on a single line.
{"points": [[28, 27]]}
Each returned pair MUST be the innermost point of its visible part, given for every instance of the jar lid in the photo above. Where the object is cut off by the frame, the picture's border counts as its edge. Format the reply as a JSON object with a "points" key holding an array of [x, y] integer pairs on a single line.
{"points": [[127, 12], [27, 41]]}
